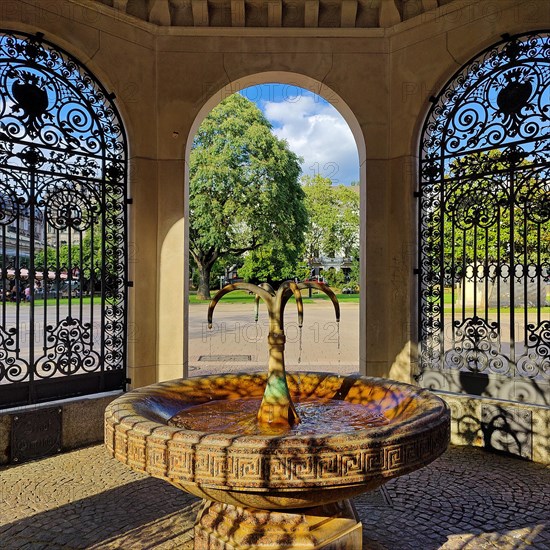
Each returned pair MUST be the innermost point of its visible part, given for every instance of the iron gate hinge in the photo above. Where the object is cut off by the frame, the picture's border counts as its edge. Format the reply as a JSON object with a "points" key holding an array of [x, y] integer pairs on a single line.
{"points": [[127, 380], [416, 271], [129, 284], [417, 194], [129, 200]]}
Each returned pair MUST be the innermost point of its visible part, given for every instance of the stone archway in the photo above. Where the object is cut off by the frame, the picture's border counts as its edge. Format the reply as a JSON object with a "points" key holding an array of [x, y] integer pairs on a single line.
{"points": [[308, 83]]}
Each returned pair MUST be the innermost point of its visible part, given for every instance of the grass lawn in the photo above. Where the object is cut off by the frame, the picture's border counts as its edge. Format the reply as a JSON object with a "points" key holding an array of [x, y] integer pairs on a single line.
{"points": [[241, 297]]}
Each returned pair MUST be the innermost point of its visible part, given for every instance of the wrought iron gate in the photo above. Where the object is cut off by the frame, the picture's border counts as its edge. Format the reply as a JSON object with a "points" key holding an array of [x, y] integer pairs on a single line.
{"points": [[484, 228], [62, 227]]}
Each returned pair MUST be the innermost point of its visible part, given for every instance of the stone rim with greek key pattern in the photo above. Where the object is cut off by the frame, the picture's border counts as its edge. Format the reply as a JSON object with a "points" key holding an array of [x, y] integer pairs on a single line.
{"points": [[272, 471]]}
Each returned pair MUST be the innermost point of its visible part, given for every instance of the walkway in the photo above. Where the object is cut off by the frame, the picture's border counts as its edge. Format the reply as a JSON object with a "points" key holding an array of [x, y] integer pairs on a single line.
{"points": [[237, 343], [467, 499]]}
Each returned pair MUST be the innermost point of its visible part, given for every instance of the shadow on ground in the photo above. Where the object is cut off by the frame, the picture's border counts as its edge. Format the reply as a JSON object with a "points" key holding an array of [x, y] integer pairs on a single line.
{"points": [[119, 518]]}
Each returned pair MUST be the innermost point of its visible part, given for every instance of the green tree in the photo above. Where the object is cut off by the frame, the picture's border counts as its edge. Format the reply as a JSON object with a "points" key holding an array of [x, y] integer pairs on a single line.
{"points": [[355, 274], [92, 253], [274, 262], [60, 255], [477, 216], [244, 191], [335, 278], [333, 218], [348, 207], [87, 256]]}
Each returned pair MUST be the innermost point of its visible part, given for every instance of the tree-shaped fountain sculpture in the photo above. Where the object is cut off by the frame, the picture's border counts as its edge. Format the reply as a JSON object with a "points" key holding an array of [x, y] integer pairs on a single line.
{"points": [[277, 408]]}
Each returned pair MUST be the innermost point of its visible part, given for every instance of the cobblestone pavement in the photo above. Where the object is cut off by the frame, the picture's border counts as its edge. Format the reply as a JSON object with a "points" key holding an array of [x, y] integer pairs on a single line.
{"points": [[467, 499]]}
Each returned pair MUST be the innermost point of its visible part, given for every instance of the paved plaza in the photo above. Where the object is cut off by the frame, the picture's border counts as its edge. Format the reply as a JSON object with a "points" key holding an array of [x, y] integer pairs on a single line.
{"points": [[467, 499], [238, 343]]}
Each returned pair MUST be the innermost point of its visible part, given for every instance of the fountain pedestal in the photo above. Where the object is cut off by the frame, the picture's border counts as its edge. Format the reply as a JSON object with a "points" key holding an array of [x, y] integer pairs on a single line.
{"points": [[333, 526]]}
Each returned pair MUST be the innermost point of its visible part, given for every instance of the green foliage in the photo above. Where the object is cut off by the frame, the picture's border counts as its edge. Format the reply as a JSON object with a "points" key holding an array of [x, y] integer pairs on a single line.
{"points": [[274, 262], [333, 218], [355, 274], [244, 191], [87, 256], [335, 278], [494, 241], [477, 218]]}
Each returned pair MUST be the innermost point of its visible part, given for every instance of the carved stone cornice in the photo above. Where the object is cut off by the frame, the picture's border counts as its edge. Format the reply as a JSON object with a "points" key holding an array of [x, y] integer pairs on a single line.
{"points": [[274, 13]]}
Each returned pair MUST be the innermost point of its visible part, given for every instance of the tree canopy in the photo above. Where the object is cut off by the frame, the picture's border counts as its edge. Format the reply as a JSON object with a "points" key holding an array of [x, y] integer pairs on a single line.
{"points": [[333, 218], [276, 261], [244, 191], [477, 219], [87, 256]]}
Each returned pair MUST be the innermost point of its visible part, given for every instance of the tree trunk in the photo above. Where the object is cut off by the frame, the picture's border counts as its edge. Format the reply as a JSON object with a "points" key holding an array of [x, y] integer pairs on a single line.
{"points": [[203, 290]]}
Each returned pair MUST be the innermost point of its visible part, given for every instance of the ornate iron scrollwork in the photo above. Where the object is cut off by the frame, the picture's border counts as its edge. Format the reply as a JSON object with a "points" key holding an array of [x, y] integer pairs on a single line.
{"points": [[62, 224], [477, 347], [484, 219], [12, 367], [69, 350]]}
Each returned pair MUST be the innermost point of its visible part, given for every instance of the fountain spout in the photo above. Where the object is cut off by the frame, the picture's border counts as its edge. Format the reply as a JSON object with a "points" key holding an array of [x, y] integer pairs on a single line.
{"points": [[277, 408]]}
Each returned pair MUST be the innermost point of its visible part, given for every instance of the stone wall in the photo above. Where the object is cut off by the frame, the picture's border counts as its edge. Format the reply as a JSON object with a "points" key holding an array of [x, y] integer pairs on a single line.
{"points": [[500, 426], [79, 423]]}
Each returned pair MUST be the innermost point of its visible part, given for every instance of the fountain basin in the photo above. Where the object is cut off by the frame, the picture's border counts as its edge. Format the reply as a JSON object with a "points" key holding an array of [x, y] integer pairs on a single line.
{"points": [[273, 472]]}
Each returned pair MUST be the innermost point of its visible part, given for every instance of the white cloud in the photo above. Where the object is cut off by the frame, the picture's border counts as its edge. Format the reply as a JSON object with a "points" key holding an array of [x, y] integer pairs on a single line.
{"points": [[316, 132]]}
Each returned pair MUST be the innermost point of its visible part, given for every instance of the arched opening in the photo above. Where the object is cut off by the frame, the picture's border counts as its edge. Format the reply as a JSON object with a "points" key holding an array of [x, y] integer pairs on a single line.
{"points": [[302, 82], [62, 227], [484, 227]]}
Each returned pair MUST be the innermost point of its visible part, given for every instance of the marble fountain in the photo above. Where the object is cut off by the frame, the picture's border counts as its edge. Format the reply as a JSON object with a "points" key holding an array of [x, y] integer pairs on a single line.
{"points": [[277, 456]]}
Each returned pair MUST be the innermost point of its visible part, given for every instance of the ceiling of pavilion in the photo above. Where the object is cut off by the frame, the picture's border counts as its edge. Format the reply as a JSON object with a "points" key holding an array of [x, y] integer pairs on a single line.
{"points": [[275, 13]]}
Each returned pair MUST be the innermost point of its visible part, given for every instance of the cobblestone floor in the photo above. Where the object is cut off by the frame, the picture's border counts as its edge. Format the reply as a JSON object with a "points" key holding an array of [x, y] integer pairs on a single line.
{"points": [[467, 499]]}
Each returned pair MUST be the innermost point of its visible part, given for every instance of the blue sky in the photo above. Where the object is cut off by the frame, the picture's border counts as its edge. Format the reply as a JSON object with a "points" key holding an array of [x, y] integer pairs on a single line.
{"points": [[313, 129]]}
